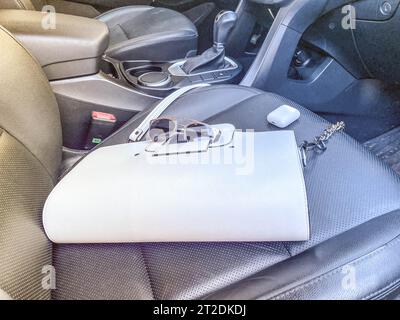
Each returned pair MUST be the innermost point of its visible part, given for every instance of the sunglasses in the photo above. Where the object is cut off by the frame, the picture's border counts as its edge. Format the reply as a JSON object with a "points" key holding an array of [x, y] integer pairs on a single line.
{"points": [[162, 129]]}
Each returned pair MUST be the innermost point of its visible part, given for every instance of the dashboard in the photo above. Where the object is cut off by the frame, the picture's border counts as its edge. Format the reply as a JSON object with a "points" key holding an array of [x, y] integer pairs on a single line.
{"points": [[368, 46], [315, 49]]}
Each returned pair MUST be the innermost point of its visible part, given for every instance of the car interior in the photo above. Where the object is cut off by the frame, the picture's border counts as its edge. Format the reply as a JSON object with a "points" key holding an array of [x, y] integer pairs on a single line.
{"points": [[78, 77]]}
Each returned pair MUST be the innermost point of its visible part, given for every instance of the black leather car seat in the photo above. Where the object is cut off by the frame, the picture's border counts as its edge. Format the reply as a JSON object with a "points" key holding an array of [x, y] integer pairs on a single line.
{"points": [[354, 204], [136, 32]]}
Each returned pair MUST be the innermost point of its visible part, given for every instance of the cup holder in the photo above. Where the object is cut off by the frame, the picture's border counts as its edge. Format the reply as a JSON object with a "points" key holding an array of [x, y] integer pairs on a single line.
{"points": [[139, 71], [154, 79], [150, 75]]}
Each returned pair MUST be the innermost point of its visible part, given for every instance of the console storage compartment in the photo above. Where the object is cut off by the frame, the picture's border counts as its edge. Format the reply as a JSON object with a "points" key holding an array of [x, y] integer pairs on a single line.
{"points": [[73, 47]]}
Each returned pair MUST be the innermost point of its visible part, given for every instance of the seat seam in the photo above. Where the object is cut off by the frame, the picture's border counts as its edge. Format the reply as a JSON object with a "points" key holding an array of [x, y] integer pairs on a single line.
{"points": [[123, 30], [147, 270], [256, 94], [118, 25], [20, 4], [122, 8], [163, 34], [126, 44], [53, 180], [338, 269], [286, 248]]}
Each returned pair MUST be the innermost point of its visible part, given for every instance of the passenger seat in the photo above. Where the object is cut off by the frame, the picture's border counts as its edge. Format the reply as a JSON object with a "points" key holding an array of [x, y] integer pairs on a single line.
{"points": [[353, 198], [136, 32]]}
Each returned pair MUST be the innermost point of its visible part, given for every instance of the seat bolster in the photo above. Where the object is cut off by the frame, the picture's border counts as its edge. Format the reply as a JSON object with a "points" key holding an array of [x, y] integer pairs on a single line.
{"points": [[28, 107], [74, 8], [361, 263]]}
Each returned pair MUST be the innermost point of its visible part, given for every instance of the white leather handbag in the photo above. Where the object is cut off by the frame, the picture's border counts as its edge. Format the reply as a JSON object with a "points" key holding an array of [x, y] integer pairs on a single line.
{"points": [[245, 187]]}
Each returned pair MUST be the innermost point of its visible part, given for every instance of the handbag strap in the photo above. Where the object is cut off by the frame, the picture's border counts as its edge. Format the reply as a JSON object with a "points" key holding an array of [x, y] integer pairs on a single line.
{"points": [[142, 129]]}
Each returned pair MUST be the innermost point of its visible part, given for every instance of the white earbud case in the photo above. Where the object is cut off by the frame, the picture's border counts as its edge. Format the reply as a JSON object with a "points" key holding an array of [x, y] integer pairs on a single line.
{"points": [[283, 116]]}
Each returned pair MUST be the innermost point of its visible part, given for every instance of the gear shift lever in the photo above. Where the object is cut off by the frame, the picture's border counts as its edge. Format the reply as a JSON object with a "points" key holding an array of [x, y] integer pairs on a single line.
{"points": [[214, 58], [224, 23]]}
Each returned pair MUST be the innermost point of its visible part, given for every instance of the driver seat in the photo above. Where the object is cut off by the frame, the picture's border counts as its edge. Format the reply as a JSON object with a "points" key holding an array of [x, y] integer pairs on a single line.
{"points": [[354, 202], [136, 32]]}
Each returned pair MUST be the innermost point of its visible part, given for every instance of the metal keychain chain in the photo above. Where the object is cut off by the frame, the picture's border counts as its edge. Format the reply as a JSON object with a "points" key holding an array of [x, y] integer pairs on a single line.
{"points": [[319, 143]]}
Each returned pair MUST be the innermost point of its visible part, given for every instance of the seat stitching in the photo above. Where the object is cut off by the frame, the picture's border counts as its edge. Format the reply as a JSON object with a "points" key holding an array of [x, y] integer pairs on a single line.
{"points": [[211, 88], [20, 4], [147, 38], [54, 180], [44, 78], [147, 270], [123, 30], [338, 269], [256, 94], [122, 8], [380, 290]]}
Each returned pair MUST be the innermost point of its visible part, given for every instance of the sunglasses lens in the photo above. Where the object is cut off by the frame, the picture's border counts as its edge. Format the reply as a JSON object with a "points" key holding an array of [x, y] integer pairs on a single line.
{"points": [[159, 128], [198, 130]]}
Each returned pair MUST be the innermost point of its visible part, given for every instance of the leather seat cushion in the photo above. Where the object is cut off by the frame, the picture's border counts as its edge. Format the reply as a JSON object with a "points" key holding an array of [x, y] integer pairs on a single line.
{"points": [[144, 32], [24, 247], [353, 198], [22, 4]]}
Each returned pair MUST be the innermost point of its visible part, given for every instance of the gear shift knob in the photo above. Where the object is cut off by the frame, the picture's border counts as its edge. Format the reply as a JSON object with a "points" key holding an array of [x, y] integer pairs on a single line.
{"points": [[214, 58], [223, 25]]}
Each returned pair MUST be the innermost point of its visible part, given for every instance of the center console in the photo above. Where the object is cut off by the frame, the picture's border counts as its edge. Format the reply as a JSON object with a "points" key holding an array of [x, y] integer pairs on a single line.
{"points": [[161, 78]]}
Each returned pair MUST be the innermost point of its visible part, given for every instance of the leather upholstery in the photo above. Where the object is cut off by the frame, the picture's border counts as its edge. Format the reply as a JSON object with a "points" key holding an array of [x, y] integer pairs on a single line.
{"points": [[143, 32], [353, 198], [24, 248], [29, 110], [30, 155], [4, 295], [22, 4], [73, 8]]}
